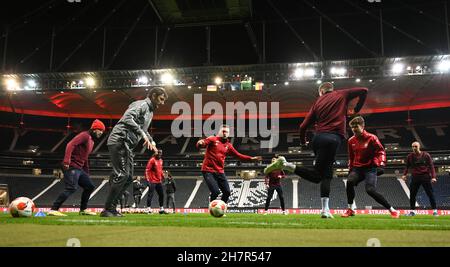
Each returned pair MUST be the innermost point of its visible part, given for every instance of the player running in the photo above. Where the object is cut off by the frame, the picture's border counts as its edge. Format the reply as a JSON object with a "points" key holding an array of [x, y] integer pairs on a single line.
{"points": [[366, 154], [76, 169], [423, 174], [329, 115], [217, 148]]}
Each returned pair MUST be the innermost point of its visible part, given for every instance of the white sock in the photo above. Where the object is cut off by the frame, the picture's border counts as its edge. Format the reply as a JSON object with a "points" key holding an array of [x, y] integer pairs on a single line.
{"points": [[325, 201], [434, 210], [161, 208], [290, 167], [350, 206], [391, 209]]}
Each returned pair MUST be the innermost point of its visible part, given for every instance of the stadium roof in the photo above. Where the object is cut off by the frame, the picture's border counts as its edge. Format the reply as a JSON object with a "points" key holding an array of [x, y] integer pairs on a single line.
{"points": [[47, 36]]}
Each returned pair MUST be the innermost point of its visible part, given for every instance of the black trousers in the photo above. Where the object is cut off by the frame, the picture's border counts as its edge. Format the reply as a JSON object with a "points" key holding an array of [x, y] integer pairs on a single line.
{"points": [[151, 190], [369, 175], [272, 189], [425, 182], [325, 146], [137, 200], [72, 179], [122, 175], [170, 200], [217, 182]]}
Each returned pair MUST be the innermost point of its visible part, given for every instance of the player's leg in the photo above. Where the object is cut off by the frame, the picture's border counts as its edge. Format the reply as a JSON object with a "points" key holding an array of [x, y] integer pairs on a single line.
{"points": [[281, 196], [222, 182], [429, 191], [151, 191], [325, 147], [172, 201], [167, 200], [354, 178], [211, 182], [129, 181], [71, 177], [119, 177], [160, 191], [85, 182], [371, 185], [413, 189], [307, 173], [137, 200], [269, 197]]}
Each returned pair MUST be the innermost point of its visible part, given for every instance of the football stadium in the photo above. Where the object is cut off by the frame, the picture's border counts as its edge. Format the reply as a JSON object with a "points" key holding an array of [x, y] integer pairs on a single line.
{"points": [[223, 123]]}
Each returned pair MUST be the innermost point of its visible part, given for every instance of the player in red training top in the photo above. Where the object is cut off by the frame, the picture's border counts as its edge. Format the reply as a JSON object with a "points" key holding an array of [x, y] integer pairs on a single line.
{"points": [[423, 174], [273, 183], [217, 148], [155, 176], [366, 153], [329, 116], [76, 169]]}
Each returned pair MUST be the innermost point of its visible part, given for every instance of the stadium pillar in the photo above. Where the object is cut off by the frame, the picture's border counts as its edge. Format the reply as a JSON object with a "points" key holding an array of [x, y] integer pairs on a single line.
{"points": [[446, 26], [156, 47], [5, 48], [52, 47], [208, 45], [321, 37], [264, 43], [104, 48], [381, 33]]}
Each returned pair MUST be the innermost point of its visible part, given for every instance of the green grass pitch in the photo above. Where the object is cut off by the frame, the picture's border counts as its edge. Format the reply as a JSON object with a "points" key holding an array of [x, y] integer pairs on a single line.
{"points": [[242, 230]]}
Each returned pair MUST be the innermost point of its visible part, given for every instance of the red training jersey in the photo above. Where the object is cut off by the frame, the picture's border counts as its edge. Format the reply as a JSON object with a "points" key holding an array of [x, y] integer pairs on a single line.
{"points": [[78, 151], [329, 112], [154, 171], [366, 151], [216, 151], [274, 178], [421, 164]]}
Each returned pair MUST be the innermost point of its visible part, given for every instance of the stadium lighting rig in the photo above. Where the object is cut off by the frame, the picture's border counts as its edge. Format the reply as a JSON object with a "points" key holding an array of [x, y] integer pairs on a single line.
{"points": [[444, 66], [268, 74], [398, 68]]}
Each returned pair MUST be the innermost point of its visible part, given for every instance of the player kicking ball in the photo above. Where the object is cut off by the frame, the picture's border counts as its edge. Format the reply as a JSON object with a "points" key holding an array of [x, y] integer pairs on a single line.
{"points": [[366, 154]]}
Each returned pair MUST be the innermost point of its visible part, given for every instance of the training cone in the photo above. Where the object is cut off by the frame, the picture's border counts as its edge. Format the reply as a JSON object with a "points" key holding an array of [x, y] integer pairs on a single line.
{"points": [[40, 214]]}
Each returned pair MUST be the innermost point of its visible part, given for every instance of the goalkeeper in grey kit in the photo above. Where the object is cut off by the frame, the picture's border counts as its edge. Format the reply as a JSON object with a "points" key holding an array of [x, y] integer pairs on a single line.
{"points": [[124, 137]]}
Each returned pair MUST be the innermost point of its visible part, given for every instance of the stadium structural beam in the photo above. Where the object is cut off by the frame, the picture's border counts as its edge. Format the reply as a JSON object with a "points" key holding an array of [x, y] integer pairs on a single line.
{"points": [[5, 48], [194, 192], [264, 43], [208, 45], [155, 64], [207, 23], [291, 28], [446, 26], [60, 141], [80, 44], [105, 31], [321, 36], [381, 33], [252, 36], [163, 46], [104, 181], [127, 35], [46, 189], [52, 48], [156, 11]]}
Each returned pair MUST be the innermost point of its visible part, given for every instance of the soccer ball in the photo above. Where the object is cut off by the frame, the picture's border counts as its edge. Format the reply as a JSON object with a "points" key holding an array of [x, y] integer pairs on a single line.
{"points": [[22, 207], [217, 208]]}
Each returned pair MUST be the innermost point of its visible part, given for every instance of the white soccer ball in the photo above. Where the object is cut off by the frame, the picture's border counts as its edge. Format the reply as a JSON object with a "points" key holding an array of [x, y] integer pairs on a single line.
{"points": [[217, 208], [22, 207]]}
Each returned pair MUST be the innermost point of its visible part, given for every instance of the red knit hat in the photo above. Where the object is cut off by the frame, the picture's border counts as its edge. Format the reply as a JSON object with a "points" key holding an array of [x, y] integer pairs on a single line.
{"points": [[98, 125]]}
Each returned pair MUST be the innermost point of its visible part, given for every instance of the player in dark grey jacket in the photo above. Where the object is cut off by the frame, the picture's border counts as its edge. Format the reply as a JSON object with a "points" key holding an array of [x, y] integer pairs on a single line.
{"points": [[124, 137]]}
